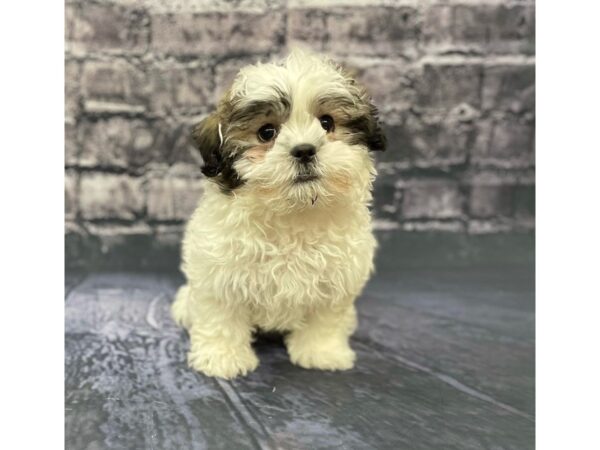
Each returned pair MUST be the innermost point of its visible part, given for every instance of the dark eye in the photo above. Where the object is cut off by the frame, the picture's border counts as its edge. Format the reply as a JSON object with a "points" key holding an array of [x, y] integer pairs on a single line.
{"points": [[267, 133], [327, 123]]}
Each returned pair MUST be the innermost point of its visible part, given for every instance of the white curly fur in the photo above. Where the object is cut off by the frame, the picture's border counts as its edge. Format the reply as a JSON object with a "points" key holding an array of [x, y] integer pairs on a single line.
{"points": [[278, 255]]}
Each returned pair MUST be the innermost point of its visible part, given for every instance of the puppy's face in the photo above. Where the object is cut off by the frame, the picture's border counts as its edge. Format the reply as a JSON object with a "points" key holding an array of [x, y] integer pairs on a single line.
{"points": [[292, 134]]}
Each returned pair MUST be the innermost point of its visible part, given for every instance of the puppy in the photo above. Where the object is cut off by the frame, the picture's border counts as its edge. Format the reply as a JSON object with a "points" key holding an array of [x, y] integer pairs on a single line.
{"points": [[282, 237]]}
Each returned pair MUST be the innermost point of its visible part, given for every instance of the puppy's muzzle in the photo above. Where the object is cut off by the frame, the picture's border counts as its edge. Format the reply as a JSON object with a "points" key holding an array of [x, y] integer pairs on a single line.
{"points": [[304, 153]]}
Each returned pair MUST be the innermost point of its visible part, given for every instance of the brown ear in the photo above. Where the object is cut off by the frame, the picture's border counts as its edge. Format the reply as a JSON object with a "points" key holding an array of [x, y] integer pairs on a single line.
{"points": [[207, 140], [376, 140], [367, 125], [367, 129]]}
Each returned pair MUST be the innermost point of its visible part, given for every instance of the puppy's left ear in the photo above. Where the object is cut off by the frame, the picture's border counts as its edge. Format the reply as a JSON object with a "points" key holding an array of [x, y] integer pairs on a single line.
{"points": [[206, 138], [367, 125], [375, 137]]}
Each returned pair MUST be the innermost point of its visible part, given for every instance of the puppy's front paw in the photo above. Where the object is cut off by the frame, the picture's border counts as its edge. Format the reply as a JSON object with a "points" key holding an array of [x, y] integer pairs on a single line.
{"points": [[324, 355], [223, 362]]}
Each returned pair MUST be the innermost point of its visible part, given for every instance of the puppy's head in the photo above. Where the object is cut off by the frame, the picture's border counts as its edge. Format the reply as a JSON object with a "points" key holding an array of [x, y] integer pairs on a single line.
{"points": [[292, 134]]}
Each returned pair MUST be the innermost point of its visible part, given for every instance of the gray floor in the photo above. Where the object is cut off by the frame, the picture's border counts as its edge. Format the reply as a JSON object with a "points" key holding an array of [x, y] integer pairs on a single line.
{"points": [[446, 359]]}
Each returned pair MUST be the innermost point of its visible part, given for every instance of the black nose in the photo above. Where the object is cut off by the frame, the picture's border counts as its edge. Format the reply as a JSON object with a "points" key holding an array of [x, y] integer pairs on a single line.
{"points": [[304, 152]]}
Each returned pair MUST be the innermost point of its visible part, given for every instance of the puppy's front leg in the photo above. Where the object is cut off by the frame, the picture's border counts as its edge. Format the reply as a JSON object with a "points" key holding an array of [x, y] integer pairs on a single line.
{"points": [[220, 341], [322, 341]]}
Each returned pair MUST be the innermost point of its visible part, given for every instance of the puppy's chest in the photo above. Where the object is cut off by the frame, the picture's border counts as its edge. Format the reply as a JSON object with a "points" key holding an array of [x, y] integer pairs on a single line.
{"points": [[298, 271], [300, 253], [294, 276]]}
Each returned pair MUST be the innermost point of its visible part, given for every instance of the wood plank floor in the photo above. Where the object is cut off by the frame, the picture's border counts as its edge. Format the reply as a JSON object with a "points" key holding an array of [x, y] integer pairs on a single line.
{"points": [[446, 359]]}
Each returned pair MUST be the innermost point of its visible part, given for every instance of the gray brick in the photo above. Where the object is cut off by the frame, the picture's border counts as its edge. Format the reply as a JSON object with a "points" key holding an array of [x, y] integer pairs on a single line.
{"points": [[218, 33], [172, 197], [107, 27], [70, 13], [509, 87], [391, 84], [430, 140], [192, 88], [373, 31], [481, 28], [72, 88], [71, 197], [122, 143], [162, 87], [445, 85], [438, 23], [71, 147], [159, 78], [400, 151], [513, 28], [307, 27], [504, 142], [524, 202], [115, 81], [432, 199], [490, 201], [110, 196]]}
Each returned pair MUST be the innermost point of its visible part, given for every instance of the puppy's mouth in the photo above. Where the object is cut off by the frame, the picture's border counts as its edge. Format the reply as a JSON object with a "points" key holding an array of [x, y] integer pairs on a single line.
{"points": [[305, 178], [306, 174]]}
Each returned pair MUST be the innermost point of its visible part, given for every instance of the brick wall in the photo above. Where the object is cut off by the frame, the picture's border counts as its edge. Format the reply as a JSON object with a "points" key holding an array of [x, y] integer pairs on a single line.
{"points": [[454, 81]]}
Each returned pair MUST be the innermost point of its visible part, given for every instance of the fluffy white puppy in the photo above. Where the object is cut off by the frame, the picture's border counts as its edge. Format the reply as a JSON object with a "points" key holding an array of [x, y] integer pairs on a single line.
{"points": [[282, 237]]}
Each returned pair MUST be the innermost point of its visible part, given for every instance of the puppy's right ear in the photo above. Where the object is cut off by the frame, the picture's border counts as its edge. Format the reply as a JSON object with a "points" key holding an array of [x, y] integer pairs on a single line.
{"points": [[207, 140]]}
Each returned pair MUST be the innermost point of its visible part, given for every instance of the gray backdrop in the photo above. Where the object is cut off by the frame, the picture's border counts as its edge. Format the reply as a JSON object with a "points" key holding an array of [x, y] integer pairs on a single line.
{"points": [[454, 81]]}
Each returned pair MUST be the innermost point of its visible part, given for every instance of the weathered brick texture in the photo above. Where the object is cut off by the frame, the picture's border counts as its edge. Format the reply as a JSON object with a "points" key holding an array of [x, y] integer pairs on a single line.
{"points": [[373, 30], [106, 28], [122, 143], [71, 195], [217, 34], [490, 201], [110, 196], [432, 199], [173, 197], [480, 27], [506, 142], [454, 82]]}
